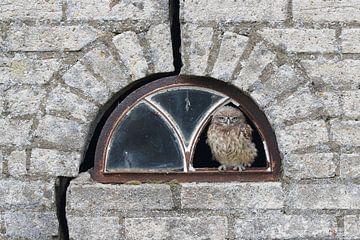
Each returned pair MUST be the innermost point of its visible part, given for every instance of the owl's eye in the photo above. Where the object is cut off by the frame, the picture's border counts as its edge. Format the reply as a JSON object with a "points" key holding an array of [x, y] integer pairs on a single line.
{"points": [[235, 119], [221, 119]]}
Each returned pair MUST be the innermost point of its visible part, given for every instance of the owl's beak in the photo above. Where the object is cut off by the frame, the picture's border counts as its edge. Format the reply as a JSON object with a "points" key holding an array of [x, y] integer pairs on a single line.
{"points": [[228, 121]]}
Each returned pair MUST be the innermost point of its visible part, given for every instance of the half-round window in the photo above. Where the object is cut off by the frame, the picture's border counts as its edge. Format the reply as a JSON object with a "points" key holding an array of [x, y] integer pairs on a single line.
{"points": [[158, 133]]}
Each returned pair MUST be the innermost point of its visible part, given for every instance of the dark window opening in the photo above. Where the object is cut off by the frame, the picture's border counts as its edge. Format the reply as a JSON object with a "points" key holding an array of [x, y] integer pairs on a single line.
{"points": [[204, 159], [159, 132]]}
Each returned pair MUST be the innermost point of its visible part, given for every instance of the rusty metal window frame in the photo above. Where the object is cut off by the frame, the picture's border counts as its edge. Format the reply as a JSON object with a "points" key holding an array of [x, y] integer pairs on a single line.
{"points": [[230, 94]]}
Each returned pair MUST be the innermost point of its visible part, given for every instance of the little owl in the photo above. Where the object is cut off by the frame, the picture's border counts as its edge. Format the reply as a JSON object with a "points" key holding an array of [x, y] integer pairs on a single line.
{"points": [[230, 140]]}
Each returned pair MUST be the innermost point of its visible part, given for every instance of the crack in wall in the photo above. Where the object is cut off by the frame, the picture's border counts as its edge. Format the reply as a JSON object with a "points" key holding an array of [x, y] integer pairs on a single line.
{"points": [[62, 183]]}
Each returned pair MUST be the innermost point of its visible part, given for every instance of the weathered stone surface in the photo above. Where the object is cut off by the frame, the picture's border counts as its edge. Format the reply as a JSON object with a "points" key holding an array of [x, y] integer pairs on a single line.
{"points": [[350, 40], [24, 100], [231, 196], [351, 103], [159, 39], [284, 79], [301, 104], [61, 132], [311, 165], [228, 11], [302, 40], [131, 54], [30, 10], [25, 70], [276, 225], [331, 102], [17, 163], [44, 38], [31, 225], [326, 11], [350, 165], [79, 77], [351, 227], [231, 48], [61, 100], [253, 66], [84, 196], [176, 228], [15, 132], [104, 64], [16, 194], [324, 196], [196, 45], [1, 164], [334, 74], [153, 10], [302, 135], [93, 227], [54, 163], [346, 133]]}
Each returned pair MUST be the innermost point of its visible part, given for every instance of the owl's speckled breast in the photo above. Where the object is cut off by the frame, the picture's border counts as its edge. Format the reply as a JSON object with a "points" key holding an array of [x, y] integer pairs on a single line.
{"points": [[230, 147]]}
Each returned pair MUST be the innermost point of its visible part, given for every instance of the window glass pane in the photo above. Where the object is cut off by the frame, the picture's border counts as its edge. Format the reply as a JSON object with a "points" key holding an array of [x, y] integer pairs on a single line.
{"points": [[143, 141], [186, 107]]}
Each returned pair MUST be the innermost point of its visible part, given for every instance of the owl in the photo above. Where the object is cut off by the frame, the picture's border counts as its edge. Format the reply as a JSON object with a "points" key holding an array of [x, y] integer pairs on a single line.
{"points": [[230, 139]]}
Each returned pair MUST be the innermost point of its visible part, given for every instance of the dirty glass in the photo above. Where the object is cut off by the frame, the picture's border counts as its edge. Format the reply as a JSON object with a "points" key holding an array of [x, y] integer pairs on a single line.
{"points": [[143, 141], [186, 107]]}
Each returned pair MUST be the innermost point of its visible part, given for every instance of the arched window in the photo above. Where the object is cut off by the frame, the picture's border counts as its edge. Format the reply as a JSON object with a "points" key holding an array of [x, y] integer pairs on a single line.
{"points": [[158, 133]]}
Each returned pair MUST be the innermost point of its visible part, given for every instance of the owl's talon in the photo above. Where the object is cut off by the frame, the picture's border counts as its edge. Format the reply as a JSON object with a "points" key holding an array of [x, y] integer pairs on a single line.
{"points": [[222, 168], [239, 168]]}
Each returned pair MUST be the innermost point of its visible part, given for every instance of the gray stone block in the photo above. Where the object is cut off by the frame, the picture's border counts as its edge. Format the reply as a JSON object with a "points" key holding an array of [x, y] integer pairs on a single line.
{"points": [[95, 199], [334, 74], [79, 77], [93, 228], [159, 40], [21, 69], [45, 38], [61, 132], [310, 165], [104, 64], [136, 10], [350, 40], [302, 135], [325, 11], [61, 100], [31, 225], [302, 40], [17, 194], [16, 162], [24, 100], [351, 227], [30, 10], [276, 225], [51, 162], [324, 196], [350, 165], [230, 11], [196, 46], [345, 133], [351, 103], [231, 48], [15, 132], [220, 196], [131, 54], [331, 102], [253, 66], [284, 79], [212, 227], [299, 105]]}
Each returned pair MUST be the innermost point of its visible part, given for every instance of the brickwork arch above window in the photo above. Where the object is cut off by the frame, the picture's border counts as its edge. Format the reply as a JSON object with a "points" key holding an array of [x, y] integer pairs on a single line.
{"points": [[158, 133]]}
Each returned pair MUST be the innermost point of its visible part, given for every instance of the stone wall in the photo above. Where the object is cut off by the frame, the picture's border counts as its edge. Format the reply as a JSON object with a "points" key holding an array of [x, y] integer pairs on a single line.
{"points": [[64, 62]]}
